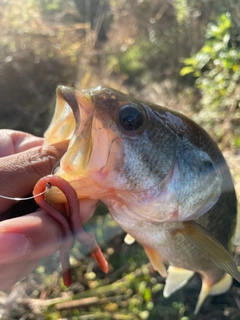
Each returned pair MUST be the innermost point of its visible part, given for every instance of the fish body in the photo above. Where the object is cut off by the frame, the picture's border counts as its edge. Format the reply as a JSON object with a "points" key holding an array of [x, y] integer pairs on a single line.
{"points": [[162, 177]]}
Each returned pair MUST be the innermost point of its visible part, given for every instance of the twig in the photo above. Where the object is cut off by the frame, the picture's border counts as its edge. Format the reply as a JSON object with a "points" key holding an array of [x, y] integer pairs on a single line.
{"points": [[81, 303]]}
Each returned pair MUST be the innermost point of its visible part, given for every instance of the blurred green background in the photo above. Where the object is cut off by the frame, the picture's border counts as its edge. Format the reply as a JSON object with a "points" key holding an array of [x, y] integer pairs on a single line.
{"points": [[183, 54]]}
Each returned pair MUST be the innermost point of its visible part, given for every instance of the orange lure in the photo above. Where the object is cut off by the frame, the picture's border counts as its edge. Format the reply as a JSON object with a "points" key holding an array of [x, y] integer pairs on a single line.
{"points": [[70, 223]]}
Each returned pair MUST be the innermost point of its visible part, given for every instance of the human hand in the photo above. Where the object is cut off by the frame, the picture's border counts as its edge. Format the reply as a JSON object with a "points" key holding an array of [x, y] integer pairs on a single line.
{"points": [[26, 239]]}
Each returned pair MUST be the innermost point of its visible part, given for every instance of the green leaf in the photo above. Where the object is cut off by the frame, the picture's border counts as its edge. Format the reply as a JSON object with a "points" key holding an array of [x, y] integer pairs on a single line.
{"points": [[226, 38], [190, 61], [186, 70]]}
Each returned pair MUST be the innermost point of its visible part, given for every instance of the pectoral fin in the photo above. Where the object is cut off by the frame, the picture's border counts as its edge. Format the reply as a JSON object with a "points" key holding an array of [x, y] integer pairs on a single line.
{"points": [[156, 261], [211, 247], [176, 279]]}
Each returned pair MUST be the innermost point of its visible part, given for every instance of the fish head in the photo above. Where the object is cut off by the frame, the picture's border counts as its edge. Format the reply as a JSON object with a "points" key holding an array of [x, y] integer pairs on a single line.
{"points": [[136, 157]]}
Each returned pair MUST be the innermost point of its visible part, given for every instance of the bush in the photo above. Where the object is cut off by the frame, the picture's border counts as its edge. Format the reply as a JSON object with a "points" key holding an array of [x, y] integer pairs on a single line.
{"points": [[216, 68]]}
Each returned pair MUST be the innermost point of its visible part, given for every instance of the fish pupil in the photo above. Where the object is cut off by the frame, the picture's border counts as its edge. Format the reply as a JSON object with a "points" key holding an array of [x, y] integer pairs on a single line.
{"points": [[130, 118]]}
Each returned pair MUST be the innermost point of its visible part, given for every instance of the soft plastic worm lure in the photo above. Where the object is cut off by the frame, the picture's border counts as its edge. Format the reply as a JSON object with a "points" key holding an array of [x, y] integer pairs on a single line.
{"points": [[70, 223]]}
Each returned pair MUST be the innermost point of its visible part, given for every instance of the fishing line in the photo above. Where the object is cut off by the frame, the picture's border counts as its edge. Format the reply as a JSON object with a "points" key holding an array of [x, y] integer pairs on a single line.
{"points": [[48, 186]]}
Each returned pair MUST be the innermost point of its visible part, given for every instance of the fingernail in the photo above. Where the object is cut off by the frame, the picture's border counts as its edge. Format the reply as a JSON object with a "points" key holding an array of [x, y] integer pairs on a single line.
{"points": [[13, 246]]}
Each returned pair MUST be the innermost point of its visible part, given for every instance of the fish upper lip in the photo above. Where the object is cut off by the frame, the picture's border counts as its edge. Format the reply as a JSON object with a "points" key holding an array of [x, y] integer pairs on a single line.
{"points": [[67, 94], [74, 98], [80, 154]]}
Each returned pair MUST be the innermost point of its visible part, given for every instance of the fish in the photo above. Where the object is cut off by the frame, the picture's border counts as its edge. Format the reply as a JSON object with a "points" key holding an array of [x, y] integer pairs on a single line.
{"points": [[162, 177]]}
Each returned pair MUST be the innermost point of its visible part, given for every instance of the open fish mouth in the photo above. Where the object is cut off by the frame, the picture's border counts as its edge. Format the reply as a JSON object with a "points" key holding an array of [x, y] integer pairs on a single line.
{"points": [[75, 161], [88, 154], [72, 120]]}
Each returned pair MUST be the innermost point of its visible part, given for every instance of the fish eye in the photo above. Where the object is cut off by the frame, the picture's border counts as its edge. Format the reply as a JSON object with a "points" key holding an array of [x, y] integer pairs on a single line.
{"points": [[130, 118]]}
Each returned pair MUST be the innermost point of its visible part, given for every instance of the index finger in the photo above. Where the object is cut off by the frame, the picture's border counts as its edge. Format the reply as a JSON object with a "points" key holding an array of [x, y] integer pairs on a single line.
{"points": [[17, 141], [20, 172]]}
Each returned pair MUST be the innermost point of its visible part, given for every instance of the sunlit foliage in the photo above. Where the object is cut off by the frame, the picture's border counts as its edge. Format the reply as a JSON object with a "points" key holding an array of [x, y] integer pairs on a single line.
{"points": [[216, 67]]}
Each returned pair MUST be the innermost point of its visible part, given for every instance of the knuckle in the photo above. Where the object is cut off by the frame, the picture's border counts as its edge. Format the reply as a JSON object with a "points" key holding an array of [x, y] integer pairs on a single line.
{"points": [[42, 161]]}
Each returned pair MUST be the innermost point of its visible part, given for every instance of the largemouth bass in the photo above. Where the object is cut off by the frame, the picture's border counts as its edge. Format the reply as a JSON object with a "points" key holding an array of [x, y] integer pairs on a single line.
{"points": [[161, 176]]}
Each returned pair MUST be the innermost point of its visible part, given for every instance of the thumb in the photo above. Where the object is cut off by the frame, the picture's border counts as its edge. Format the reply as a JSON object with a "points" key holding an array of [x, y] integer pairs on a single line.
{"points": [[20, 172]]}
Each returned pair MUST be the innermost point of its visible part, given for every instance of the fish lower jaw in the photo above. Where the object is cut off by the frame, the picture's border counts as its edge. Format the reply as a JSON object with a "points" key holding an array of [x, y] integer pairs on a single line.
{"points": [[92, 187]]}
